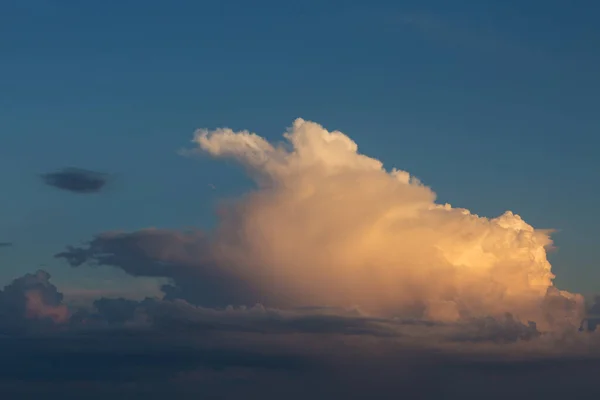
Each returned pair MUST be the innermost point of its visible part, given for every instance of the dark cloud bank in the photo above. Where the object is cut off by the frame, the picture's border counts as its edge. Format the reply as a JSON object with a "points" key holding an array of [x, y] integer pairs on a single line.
{"points": [[156, 347], [76, 180]]}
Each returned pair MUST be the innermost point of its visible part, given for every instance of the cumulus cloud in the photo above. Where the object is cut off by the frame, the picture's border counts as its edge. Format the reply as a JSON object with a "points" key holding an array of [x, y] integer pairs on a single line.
{"points": [[31, 301], [76, 180], [328, 226]]}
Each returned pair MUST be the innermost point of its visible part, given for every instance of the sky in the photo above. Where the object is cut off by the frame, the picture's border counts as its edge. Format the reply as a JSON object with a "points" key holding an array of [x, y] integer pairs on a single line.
{"points": [[110, 117]]}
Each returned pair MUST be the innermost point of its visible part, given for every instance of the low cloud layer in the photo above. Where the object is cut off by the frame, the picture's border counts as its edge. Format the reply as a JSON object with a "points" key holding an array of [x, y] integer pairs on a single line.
{"points": [[155, 347], [76, 180], [328, 226]]}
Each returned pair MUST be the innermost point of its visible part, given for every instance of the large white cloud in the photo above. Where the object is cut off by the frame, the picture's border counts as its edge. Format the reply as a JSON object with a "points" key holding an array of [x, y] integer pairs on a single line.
{"points": [[330, 226]]}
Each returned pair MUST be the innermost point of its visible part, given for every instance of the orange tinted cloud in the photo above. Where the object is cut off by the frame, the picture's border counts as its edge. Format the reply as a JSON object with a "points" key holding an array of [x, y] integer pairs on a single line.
{"points": [[330, 226]]}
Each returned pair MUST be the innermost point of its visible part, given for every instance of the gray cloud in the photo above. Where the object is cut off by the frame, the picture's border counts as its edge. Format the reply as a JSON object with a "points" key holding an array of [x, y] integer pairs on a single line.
{"points": [[31, 302], [178, 315], [5, 244], [185, 257], [76, 180]]}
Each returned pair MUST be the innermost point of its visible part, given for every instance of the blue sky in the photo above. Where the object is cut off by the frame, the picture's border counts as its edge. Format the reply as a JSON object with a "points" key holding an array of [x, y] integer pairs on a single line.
{"points": [[491, 103]]}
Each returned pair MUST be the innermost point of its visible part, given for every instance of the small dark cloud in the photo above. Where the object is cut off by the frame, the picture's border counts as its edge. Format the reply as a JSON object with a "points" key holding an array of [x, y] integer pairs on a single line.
{"points": [[76, 180], [5, 244]]}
